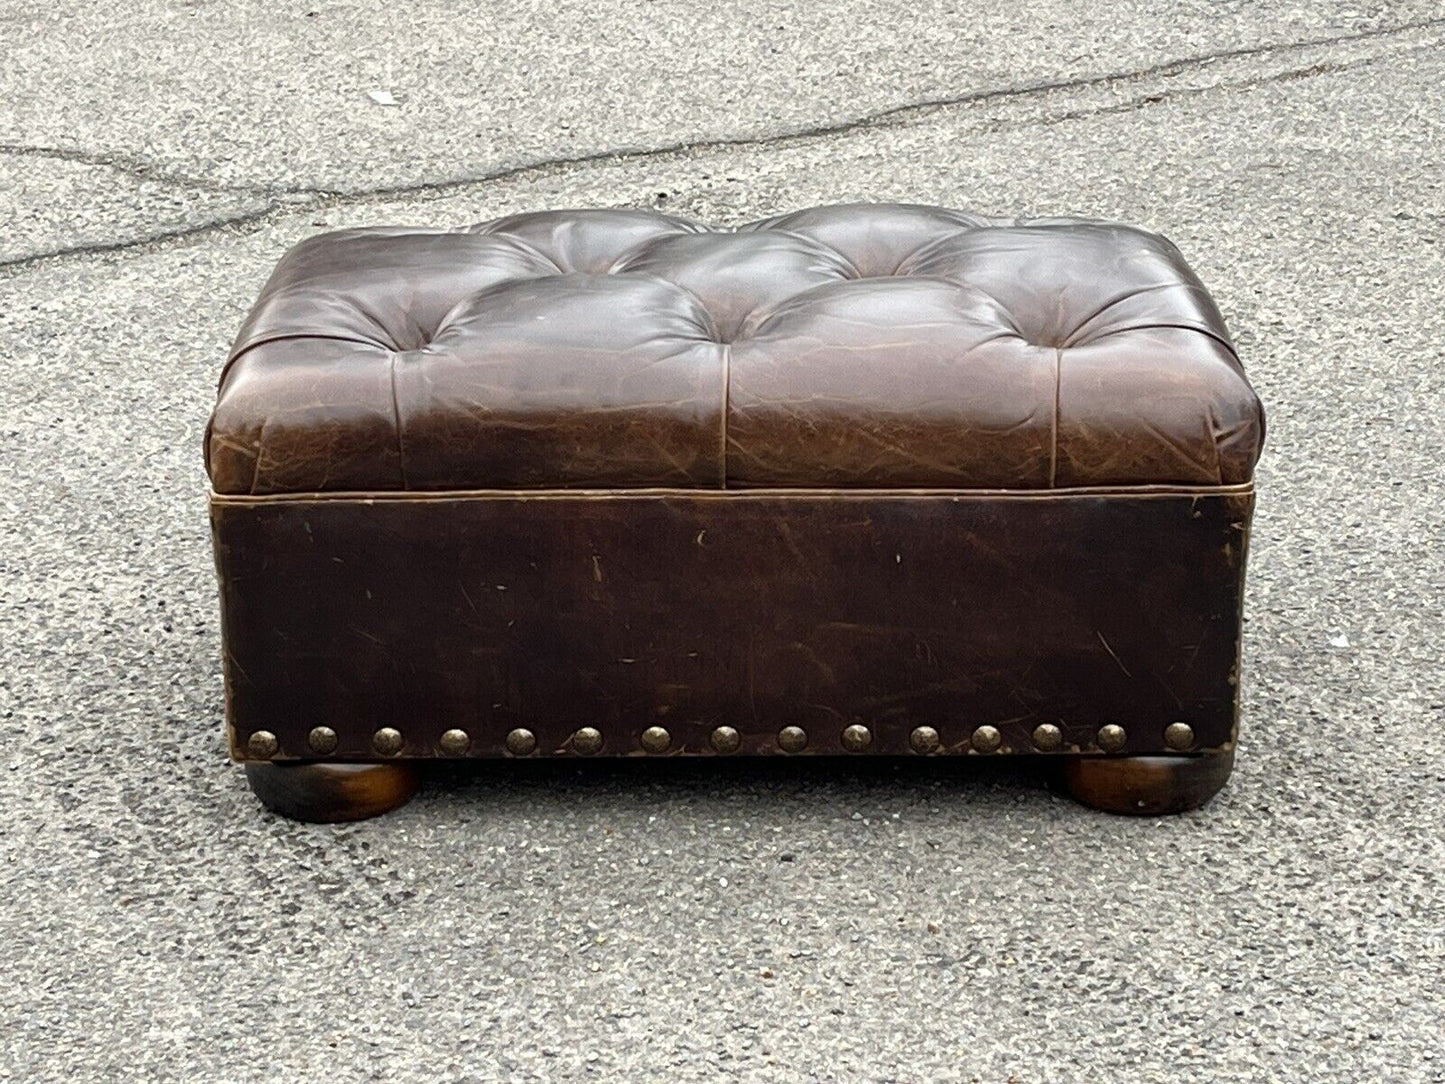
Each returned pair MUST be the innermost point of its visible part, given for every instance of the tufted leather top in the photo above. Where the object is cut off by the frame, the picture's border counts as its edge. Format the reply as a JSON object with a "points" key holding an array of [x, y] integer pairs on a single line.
{"points": [[877, 346]]}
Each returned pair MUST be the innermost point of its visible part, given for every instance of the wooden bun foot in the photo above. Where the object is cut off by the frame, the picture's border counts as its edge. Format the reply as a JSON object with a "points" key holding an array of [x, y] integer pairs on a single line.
{"points": [[1146, 785], [328, 793]]}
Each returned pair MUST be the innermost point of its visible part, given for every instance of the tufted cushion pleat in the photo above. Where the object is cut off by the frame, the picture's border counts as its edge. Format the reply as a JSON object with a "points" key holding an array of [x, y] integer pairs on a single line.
{"points": [[889, 382], [583, 380]]}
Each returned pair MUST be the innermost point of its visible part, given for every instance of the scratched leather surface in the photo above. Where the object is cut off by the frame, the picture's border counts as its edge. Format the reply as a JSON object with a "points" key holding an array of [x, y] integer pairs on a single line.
{"points": [[873, 346], [754, 609]]}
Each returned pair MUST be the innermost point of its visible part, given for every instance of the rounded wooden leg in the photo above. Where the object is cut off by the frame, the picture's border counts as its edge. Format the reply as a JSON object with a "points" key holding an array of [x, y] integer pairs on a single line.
{"points": [[1146, 785], [327, 793]]}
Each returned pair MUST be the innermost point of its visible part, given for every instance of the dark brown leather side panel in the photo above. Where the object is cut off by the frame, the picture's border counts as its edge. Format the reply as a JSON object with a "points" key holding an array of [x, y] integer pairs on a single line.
{"points": [[758, 610]]}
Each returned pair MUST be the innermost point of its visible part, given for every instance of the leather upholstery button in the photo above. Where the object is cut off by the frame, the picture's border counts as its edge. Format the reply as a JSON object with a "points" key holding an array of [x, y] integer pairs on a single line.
{"points": [[455, 743], [387, 741], [1047, 737], [587, 741], [656, 739], [1179, 736], [521, 742], [322, 739], [725, 739], [792, 739], [1111, 738], [987, 739], [924, 740]]}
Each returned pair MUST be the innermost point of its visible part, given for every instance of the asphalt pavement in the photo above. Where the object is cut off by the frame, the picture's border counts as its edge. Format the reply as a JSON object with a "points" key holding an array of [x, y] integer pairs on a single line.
{"points": [[665, 921]]}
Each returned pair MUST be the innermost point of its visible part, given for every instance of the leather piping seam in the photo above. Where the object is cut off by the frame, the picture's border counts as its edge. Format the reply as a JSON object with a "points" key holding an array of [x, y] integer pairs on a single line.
{"points": [[1162, 492]]}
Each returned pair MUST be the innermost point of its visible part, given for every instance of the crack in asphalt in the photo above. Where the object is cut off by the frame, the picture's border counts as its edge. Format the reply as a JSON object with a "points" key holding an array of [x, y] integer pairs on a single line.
{"points": [[1183, 93], [287, 201], [143, 169]]}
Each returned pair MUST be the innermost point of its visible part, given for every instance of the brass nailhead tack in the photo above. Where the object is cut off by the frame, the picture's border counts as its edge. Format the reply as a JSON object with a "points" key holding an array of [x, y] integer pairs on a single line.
{"points": [[322, 739], [792, 739], [656, 739], [1179, 736], [1047, 737], [923, 740], [521, 742], [987, 739], [725, 740], [387, 741], [263, 744], [1111, 737], [587, 740], [455, 742], [857, 738]]}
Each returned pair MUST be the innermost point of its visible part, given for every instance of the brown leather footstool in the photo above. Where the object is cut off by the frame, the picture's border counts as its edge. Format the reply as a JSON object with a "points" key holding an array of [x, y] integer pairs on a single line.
{"points": [[854, 481]]}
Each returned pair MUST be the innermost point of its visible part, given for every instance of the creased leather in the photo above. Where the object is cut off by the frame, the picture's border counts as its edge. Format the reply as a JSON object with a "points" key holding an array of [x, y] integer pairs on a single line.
{"points": [[869, 346]]}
